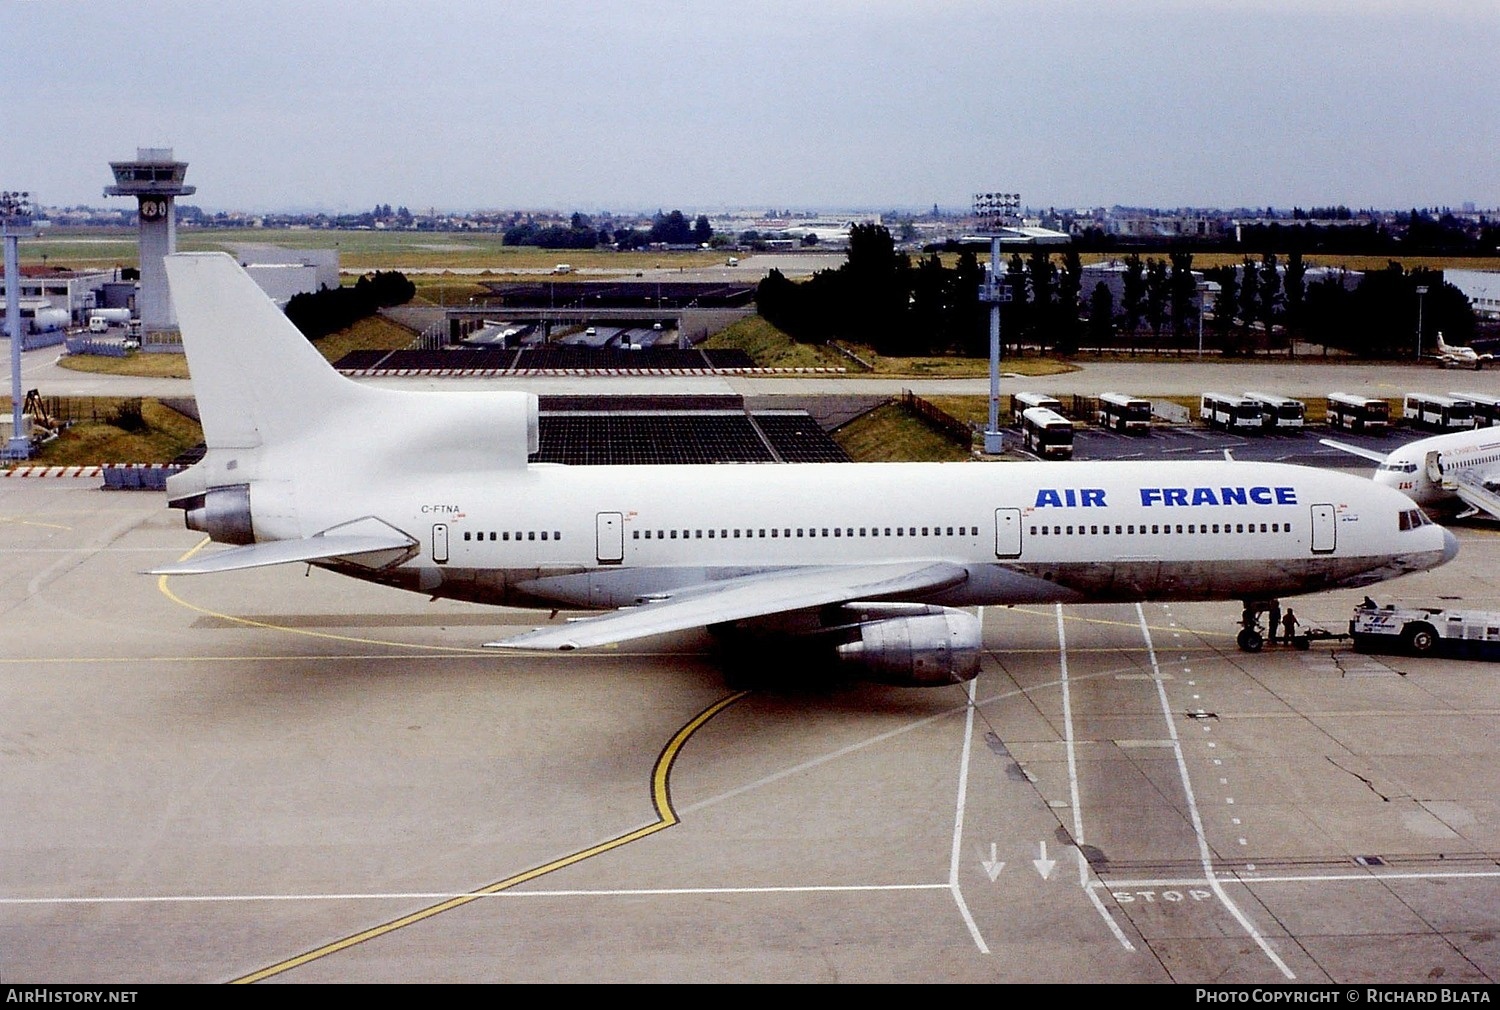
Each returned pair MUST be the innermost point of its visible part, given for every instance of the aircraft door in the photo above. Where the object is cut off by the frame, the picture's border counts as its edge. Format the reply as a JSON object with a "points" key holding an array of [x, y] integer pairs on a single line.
{"points": [[1007, 533], [1324, 529], [440, 543], [1435, 467], [609, 536]]}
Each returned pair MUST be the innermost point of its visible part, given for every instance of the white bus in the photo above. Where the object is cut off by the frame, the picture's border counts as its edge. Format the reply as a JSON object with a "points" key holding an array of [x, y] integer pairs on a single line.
{"points": [[1358, 413], [1046, 433], [1280, 412], [1124, 412], [1486, 407], [1021, 402], [1437, 412], [1232, 413]]}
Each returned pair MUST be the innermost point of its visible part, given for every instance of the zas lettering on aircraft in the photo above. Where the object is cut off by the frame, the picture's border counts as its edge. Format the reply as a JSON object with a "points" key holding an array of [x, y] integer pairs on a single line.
{"points": [[1218, 496]]}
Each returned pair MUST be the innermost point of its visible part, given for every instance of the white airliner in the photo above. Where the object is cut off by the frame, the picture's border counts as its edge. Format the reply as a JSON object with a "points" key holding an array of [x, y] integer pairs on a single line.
{"points": [[432, 492], [1457, 472], [1459, 357]]}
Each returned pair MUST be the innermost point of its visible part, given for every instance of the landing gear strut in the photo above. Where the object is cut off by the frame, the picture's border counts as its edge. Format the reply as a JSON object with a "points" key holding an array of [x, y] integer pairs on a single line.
{"points": [[1251, 638]]}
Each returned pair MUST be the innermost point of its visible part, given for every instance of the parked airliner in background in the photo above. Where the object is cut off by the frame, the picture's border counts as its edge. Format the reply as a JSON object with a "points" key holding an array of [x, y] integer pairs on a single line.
{"points": [[1458, 472], [432, 492], [1459, 357]]}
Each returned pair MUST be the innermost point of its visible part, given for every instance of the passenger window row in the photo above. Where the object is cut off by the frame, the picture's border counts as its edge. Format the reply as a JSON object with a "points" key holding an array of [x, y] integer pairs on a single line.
{"points": [[517, 535], [1160, 529], [805, 531]]}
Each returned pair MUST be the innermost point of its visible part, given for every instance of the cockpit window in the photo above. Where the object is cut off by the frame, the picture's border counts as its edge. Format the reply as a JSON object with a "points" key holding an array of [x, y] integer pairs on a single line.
{"points": [[1398, 467], [1410, 519]]}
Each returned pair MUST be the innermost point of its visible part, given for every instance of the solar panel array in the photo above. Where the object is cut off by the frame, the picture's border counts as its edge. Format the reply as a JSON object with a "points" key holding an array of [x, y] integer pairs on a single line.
{"points": [[552, 357], [797, 438], [590, 433]]}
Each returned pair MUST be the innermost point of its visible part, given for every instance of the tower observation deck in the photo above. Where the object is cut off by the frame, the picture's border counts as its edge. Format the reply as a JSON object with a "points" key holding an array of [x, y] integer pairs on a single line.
{"points": [[155, 180]]}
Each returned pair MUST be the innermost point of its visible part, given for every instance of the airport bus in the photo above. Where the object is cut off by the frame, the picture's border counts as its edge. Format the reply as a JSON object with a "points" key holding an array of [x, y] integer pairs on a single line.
{"points": [[1486, 407], [1124, 412], [1232, 413], [1046, 433], [1437, 412], [1280, 413], [1365, 414], [1022, 402]]}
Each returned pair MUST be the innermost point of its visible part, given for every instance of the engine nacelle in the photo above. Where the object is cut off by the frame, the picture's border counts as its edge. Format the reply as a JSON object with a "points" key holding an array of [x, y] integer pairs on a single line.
{"points": [[221, 512], [925, 650]]}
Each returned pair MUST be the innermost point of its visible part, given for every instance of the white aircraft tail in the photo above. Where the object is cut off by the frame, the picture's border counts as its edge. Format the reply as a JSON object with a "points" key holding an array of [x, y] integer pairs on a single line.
{"points": [[261, 385], [255, 376]]}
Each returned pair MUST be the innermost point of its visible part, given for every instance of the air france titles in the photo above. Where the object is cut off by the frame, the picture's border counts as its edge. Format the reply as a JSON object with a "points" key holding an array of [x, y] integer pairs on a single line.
{"points": [[1093, 497]]}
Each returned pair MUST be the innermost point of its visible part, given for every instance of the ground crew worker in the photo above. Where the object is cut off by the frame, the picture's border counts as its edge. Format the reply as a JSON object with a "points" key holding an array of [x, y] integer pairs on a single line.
{"points": [[1289, 624]]}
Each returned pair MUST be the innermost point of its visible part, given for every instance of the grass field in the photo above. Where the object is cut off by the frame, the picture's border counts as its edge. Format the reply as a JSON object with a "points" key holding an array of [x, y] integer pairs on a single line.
{"points": [[93, 440], [374, 333], [890, 433], [358, 250]]}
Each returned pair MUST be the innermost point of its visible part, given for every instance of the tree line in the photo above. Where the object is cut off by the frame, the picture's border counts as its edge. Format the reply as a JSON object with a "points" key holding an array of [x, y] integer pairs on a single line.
{"points": [[879, 297], [319, 313], [581, 233]]}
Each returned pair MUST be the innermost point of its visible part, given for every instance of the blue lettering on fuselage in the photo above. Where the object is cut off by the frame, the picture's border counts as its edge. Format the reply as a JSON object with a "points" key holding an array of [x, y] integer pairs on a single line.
{"points": [[1068, 497], [1218, 496]]}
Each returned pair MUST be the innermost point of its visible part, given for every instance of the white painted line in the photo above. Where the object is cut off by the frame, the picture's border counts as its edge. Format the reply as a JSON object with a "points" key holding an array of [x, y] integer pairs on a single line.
{"points": [[958, 819], [1073, 798], [1204, 855]]}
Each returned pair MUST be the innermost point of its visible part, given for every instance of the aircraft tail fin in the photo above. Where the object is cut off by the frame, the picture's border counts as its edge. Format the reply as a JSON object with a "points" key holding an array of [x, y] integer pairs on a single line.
{"points": [[256, 377]]}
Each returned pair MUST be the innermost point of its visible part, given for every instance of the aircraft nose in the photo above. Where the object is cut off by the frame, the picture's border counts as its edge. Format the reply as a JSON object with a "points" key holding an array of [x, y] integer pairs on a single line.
{"points": [[1450, 546]]}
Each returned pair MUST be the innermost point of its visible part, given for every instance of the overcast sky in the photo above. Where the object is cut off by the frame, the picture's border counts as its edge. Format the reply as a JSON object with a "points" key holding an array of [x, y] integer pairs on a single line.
{"points": [[464, 105]]}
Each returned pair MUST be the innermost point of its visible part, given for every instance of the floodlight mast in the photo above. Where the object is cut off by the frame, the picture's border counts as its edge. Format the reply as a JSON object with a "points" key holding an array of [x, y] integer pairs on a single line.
{"points": [[995, 212], [15, 218]]}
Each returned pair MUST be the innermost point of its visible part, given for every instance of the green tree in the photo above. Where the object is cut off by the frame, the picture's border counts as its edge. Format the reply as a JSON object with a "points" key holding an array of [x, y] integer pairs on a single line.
{"points": [[1069, 291], [1101, 316], [1132, 297], [1183, 286], [1157, 297], [1041, 275], [1249, 293]]}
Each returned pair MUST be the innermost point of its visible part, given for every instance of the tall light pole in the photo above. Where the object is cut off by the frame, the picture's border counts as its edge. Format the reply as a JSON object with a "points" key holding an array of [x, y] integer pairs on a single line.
{"points": [[15, 219], [1421, 291], [995, 210]]}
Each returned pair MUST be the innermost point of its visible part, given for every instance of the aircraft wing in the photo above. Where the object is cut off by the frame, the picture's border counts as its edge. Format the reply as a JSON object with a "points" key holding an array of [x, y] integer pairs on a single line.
{"points": [[747, 596], [320, 547], [1374, 454], [1476, 489]]}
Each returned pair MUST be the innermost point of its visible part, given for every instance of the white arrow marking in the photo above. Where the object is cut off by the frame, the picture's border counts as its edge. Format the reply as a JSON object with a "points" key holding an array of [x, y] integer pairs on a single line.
{"points": [[1043, 865], [992, 865]]}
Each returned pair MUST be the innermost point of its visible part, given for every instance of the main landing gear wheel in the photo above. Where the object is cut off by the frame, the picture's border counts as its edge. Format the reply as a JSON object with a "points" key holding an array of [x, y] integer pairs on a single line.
{"points": [[1249, 640]]}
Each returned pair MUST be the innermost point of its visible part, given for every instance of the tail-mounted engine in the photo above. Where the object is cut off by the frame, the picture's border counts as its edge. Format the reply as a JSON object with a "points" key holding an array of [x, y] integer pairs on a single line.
{"points": [[221, 512]]}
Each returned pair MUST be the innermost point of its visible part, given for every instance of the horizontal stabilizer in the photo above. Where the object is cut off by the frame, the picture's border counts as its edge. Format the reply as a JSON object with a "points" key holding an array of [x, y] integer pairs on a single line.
{"points": [[1374, 454], [746, 597], [281, 552]]}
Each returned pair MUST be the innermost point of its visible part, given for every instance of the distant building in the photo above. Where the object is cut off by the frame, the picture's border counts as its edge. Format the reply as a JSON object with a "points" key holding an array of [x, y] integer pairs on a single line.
{"points": [[54, 300], [283, 273], [1480, 287]]}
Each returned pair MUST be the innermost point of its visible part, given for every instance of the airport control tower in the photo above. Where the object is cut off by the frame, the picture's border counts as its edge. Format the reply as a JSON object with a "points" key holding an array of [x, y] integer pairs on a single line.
{"points": [[155, 180]]}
